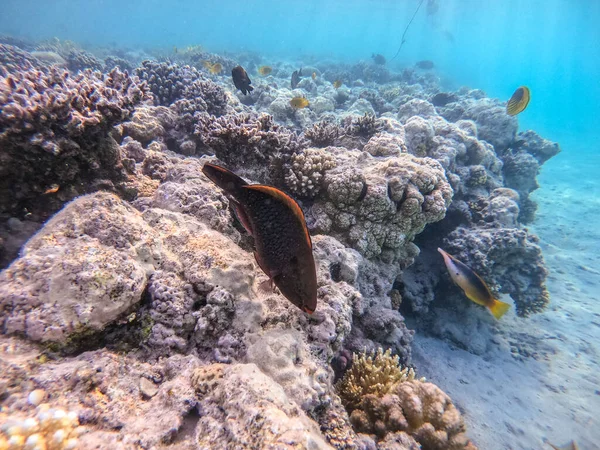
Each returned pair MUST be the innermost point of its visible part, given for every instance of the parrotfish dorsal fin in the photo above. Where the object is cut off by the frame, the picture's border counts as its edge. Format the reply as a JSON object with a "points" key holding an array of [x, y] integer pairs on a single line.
{"points": [[225, 179], [286, 200]]}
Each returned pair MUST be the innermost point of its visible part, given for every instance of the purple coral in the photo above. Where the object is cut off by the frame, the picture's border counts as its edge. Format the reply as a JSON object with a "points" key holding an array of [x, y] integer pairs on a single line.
{"points": [[54, 129]]}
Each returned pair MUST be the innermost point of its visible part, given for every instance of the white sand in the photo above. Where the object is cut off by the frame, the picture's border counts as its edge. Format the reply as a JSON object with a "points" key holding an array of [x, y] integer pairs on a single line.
{"points": [[519, 404]]}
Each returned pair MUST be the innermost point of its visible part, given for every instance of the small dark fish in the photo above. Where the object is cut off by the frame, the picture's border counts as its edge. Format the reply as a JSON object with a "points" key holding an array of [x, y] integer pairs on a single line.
{"points": [[340, 364], [378, 59], [283, 248], [473, 286], [296, 78], [519, 101], [241, 80], [443, 98], [425, 65]]}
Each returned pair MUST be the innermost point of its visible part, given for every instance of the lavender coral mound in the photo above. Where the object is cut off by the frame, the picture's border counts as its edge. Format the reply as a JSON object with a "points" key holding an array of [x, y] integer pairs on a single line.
{"points": [[54, 129], [377, 205], [171, 82]]}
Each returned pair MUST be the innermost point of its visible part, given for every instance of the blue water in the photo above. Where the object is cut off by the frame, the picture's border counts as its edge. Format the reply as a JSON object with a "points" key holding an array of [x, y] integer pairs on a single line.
{"points": [[553, 46]]}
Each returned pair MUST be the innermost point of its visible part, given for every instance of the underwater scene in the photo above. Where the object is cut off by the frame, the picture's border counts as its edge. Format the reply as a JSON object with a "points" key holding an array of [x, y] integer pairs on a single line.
{"points": [[361, 224]]}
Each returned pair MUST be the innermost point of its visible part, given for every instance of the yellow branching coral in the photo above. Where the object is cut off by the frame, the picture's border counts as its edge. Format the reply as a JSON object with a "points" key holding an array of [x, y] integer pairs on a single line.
{"points": [[371, 374]]}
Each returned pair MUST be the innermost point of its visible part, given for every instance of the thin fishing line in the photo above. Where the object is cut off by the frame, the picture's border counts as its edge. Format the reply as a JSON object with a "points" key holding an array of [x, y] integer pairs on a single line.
{"points": [[406, 29]]}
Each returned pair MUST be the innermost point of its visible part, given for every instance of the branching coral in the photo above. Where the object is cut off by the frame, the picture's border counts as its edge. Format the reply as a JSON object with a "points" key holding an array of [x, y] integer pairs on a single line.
{"points": [[323, 133], [55, 130], [365, 126], [246, 139], [171, 82], [371, 374]]}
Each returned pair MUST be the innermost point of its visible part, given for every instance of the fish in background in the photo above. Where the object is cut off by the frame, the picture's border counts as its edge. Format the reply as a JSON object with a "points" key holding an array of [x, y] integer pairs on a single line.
{"points": [[299, 102], [314, 75], [283, 248], [473, 286], [432, 7], [519, 101], [241, 80], [214, 69], [296, 78], [265, 70], [337, 84], [378, 59], [568, 446], [425, 65]]}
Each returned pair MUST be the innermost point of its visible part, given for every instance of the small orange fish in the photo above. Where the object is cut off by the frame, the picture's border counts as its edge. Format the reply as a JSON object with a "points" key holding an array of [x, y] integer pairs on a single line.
{"points": [[283, 248], [337, 83], [473, 286], [265, 70], [52, 189], [299, 102], [314, 75]]}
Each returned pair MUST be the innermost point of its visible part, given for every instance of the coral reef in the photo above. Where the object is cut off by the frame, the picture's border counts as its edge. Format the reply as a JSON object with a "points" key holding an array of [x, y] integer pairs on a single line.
{"points": [[55, 131], [377, 205], [510, 257], [371, 374], [419, 409], [141, 308]]}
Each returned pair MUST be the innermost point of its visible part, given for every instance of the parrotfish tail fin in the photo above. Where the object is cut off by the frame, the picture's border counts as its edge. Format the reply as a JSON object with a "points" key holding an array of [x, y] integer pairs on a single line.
{"points": [[225, 179], [499, 308]]}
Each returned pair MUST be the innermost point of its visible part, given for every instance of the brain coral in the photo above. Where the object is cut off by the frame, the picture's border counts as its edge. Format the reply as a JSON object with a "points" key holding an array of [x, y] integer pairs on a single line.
{"points": [[377, 205]]}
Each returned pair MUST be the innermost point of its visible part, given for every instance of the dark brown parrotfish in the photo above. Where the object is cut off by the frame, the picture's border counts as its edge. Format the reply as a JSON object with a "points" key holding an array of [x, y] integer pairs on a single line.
{"points": [[241, 80], [283, 248]]}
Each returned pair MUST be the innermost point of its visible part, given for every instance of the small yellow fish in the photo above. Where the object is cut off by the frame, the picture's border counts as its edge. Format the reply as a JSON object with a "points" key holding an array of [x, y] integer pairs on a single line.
{"points": [[52, 189], [299, 102], [265, 70], [215, 68], [337, 83], [314, 75], [568, 446], [519, 101], [473, 286], [212, 68]]}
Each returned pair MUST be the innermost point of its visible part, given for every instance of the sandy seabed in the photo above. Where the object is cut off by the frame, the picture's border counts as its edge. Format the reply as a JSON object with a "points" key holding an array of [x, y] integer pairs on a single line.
{"points": [[554, 395]]}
